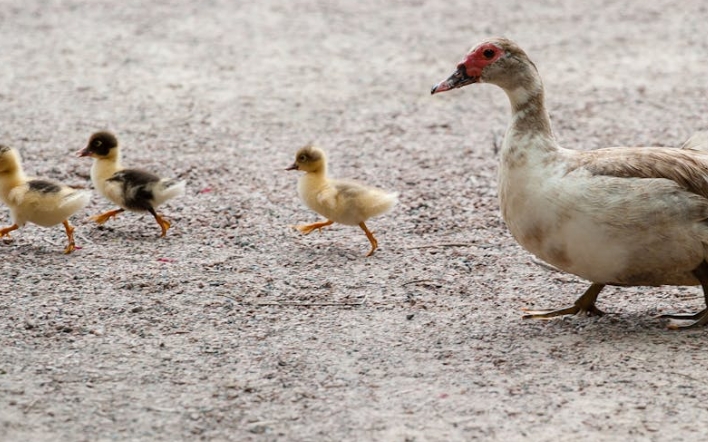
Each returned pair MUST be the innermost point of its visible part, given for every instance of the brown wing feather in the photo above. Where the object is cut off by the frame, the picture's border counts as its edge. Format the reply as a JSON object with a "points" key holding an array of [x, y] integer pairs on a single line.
{"points": [[688, 169]]}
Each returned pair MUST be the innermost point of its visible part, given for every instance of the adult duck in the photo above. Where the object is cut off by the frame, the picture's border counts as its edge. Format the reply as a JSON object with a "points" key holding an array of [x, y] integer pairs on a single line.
{"points": [[630, 216]]}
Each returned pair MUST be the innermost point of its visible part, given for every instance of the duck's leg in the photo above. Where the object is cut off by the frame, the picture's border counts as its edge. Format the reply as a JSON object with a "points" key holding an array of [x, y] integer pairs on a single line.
{"points": [[162, 222], [306, 229], [701, 318], [103, 217], [70, 234], [584, 304], [372, 240], [6, 230]]}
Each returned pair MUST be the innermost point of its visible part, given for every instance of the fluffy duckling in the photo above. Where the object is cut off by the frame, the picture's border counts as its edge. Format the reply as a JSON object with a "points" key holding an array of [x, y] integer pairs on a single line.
{"points": [[41, 202], [344, 202], [631, 216], [131, 189]]}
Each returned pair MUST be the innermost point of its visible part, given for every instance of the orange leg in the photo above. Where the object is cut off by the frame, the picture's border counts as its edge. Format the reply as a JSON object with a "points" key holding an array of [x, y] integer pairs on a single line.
{"points": [[372, 240], [162, 222], [103, 217], [306, 229], [6, 230], [69, 234]]}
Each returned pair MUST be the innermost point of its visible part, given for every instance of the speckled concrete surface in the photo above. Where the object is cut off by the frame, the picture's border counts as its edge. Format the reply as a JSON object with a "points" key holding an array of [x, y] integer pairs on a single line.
{"points": [[234, 327]]}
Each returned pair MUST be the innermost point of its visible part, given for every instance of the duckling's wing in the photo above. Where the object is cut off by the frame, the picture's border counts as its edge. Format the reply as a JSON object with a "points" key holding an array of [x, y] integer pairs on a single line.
{"points": [[134, 187], [347, 190], [364, 201], [327, 197], [686, 167], [33, 190], [46, 203]]}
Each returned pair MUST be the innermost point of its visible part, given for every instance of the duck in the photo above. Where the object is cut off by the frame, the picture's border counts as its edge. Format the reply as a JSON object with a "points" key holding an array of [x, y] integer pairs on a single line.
{"points": [[42, 202], [617, 216], [134, 190], [340, 201]]}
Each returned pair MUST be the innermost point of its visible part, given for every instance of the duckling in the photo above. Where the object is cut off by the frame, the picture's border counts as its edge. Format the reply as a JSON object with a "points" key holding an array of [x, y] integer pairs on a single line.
{"points": [[131, 189], [345, 202], [41, 202]]}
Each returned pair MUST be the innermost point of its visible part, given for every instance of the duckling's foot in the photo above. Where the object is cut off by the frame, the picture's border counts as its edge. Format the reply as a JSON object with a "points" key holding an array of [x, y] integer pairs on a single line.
{"points": [[103, 217], [306, 229], [70, 234], [372, 240], [162, 222], [583, 305], [5, 231]]}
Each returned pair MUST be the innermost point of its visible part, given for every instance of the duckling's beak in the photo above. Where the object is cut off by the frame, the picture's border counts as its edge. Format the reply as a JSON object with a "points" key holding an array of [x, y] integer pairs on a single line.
{"points": [[85, 152], [457, 79], [293, 167]]}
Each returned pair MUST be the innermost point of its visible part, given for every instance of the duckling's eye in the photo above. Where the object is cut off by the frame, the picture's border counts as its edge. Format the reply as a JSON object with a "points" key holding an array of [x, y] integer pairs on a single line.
{"points": [[97, 143], [488, 53], [302, 158]]}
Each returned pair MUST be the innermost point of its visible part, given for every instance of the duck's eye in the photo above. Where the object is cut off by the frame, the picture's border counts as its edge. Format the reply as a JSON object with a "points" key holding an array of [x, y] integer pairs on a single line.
{"points": [[302, 158], [97, 143], [488, 53]]}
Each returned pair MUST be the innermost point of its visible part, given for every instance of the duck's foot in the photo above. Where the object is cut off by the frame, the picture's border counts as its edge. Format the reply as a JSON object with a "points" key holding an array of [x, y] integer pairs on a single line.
{"points": [[103, 217], [306, 229], [583, 305], [699, 319], [162, 222], [372, 240], [5, 231], [70, 235]]}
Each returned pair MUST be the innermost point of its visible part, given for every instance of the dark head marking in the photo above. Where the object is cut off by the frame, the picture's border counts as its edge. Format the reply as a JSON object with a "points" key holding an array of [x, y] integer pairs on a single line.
{"points": [[308, 154], [101, 143]]}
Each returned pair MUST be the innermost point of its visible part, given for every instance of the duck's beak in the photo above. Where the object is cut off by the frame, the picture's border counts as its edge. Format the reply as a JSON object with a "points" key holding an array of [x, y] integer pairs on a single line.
{"points": [[293, 167], [457, 79], [85, 152]]}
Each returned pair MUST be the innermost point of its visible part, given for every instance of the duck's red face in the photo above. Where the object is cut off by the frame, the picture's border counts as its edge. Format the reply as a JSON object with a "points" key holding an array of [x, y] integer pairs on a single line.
{"points": [[470, 69]]}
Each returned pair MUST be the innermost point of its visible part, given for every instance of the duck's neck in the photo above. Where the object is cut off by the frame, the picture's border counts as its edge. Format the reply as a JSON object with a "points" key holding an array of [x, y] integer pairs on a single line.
{"points": [[9, 180], [530, 126], [317, 175], [104, 168]]}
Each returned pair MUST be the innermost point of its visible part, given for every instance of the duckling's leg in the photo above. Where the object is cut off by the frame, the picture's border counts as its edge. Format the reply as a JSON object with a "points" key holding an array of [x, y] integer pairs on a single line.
{"points": [[372, 240], [6, 230], [584, 304], [162, 222], [701, 318], [306, 229], [103, 217], [70, 234]]}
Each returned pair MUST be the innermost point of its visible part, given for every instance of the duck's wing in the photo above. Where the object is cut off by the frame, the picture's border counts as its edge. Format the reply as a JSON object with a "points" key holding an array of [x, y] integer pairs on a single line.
{"points": [[363, 201], [687, 168], [134, 187], [45, 202], [35, 191]]}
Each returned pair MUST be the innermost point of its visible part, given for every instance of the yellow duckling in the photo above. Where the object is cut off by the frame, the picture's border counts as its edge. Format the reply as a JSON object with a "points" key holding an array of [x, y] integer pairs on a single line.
{"points": [[131, 189], [41, 202], [344, 202]]}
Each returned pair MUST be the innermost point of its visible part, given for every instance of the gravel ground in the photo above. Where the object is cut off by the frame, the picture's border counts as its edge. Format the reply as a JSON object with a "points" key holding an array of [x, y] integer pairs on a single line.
{"points": [[235, 327]]}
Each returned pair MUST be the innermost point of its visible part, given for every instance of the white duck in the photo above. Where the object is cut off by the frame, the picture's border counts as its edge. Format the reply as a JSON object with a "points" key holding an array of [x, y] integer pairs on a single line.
{"points": [[633, 216], [132, 189], [38, 201]]}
